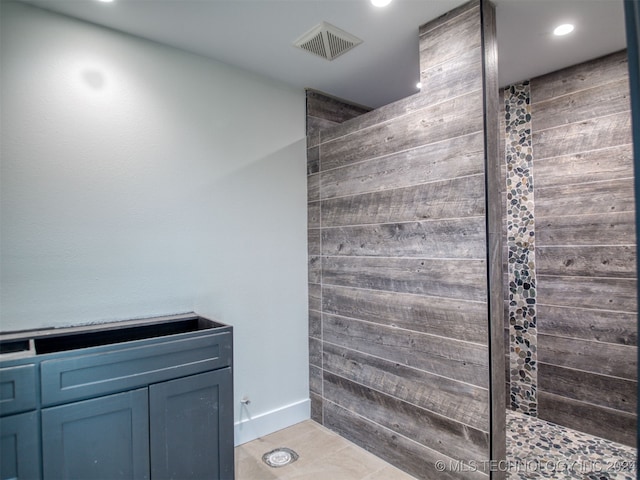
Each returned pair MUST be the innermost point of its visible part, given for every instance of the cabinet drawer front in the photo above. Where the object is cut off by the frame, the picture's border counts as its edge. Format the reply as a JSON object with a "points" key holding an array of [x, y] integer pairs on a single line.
{"points": [[86, 376], [17, 389]]}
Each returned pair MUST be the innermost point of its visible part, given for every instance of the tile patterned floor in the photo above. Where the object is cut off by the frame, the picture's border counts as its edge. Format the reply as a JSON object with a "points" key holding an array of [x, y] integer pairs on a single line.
{"points": [[324, 455], [538, 449], [535, 450]]}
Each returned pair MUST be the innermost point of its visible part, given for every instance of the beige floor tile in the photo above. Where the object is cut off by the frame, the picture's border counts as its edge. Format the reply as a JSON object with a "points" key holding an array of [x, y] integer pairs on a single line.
{"points": [[389, 473], [324, 455], [348, 463]]}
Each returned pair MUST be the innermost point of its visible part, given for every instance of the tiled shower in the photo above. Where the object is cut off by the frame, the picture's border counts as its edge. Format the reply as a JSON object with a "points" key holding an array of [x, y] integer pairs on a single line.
{"points": [[465, 233]]}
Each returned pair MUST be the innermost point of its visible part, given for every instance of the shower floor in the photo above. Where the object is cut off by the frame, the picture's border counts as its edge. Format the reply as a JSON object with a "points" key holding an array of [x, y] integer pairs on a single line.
{"points": [[539, 449]]}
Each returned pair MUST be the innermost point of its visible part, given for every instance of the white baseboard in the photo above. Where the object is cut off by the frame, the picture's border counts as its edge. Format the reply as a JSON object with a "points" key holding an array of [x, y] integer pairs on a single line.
{"points": [[269, 422]]}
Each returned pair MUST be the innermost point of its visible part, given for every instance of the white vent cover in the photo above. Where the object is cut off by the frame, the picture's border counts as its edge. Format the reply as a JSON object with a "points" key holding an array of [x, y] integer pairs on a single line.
{"points": [[327, 41]]}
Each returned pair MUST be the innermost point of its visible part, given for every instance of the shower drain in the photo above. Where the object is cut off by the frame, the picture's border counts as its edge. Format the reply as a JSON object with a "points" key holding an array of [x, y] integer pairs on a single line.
{"points": [[279, 457]]}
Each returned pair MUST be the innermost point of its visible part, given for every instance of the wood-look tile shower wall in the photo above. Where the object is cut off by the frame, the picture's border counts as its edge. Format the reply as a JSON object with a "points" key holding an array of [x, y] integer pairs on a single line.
{"points": [[398, 293], [585, 248]]}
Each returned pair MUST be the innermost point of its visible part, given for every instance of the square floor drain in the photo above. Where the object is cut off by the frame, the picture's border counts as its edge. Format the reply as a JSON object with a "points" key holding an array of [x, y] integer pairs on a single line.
{"points": [[280, 457]]}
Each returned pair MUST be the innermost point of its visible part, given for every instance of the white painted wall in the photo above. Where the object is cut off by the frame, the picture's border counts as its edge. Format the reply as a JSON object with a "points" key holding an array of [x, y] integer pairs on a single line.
{"points": [[140, 180]]}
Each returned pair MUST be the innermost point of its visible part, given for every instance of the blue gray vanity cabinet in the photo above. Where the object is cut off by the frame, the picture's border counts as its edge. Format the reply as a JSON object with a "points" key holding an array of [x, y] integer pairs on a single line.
{"points": [[144, 399], [20, 446], [100, 438], [19, 421], [183, 424]]}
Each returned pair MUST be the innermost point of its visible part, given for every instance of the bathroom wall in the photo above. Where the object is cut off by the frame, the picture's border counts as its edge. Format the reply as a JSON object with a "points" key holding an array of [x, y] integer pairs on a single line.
{"points": [[140, 180], [399, 325], [577, 189]]}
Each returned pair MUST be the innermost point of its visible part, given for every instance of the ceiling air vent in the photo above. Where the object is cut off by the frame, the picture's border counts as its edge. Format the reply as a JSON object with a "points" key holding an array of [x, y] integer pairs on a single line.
{"points": [[327, 41]]}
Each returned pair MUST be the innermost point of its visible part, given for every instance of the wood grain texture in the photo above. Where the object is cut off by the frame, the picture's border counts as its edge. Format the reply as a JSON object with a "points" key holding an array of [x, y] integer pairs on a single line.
{"points": [[451, 158], [462, 361], [605, 423], [451, 39], [315, 299], [316, 125], [313, 215], [461, 401], [580, 77], [597, 165], [619, 294], [315, 269], [315, 352], [404, 264], [611, 196], [398, 450], [467, 70], [315, 380], [459, 116], [313, 160], [454, 318], [313, 187], [316, 407], [587, 261], [315, 324], [331, 108], [441, 278], [313, 241], [602, 390], [598, 101], [455, 238], [434, 431], [456, 198], [588, 324], [603, 358], [450, 16], [610, 229], [592, 134], [379, 115]]}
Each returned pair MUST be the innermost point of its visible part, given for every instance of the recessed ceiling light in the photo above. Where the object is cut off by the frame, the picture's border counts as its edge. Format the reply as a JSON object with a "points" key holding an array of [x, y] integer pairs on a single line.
{"points": [[563, 29], [380, 3], [106, 1]]}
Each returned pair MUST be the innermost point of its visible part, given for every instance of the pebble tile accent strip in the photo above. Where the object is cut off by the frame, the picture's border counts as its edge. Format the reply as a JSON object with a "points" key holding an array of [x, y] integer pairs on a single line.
{"points": [[520, 243], [539, 449]]}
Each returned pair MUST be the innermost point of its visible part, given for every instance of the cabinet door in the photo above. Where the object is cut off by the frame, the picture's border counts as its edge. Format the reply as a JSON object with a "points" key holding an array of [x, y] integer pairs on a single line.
{"points": [[192, 427], [98, 439], [20, 447]]}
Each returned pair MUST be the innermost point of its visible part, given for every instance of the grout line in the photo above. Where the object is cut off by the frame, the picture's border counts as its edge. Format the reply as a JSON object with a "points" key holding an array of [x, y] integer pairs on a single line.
{"points": [[598, 342], [586, 246], [399, 257], [407, 366], [442, 455], [618, 79], [587, 371], [584, 308], [403, 222], [592, 182], [413, 185], [394, 327], [398, 152], [611, 147], [590, 119], [590, 277], [466, 300], [411, 112]]}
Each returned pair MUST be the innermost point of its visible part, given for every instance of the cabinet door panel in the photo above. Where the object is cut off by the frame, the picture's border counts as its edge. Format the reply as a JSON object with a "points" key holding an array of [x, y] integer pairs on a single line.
{"points": [[20, 447], [192, 427], [98, 439]]}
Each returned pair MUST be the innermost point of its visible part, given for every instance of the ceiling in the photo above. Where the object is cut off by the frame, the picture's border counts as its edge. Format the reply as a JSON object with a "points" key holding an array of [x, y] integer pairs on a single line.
{"points": [[258, 35]]}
